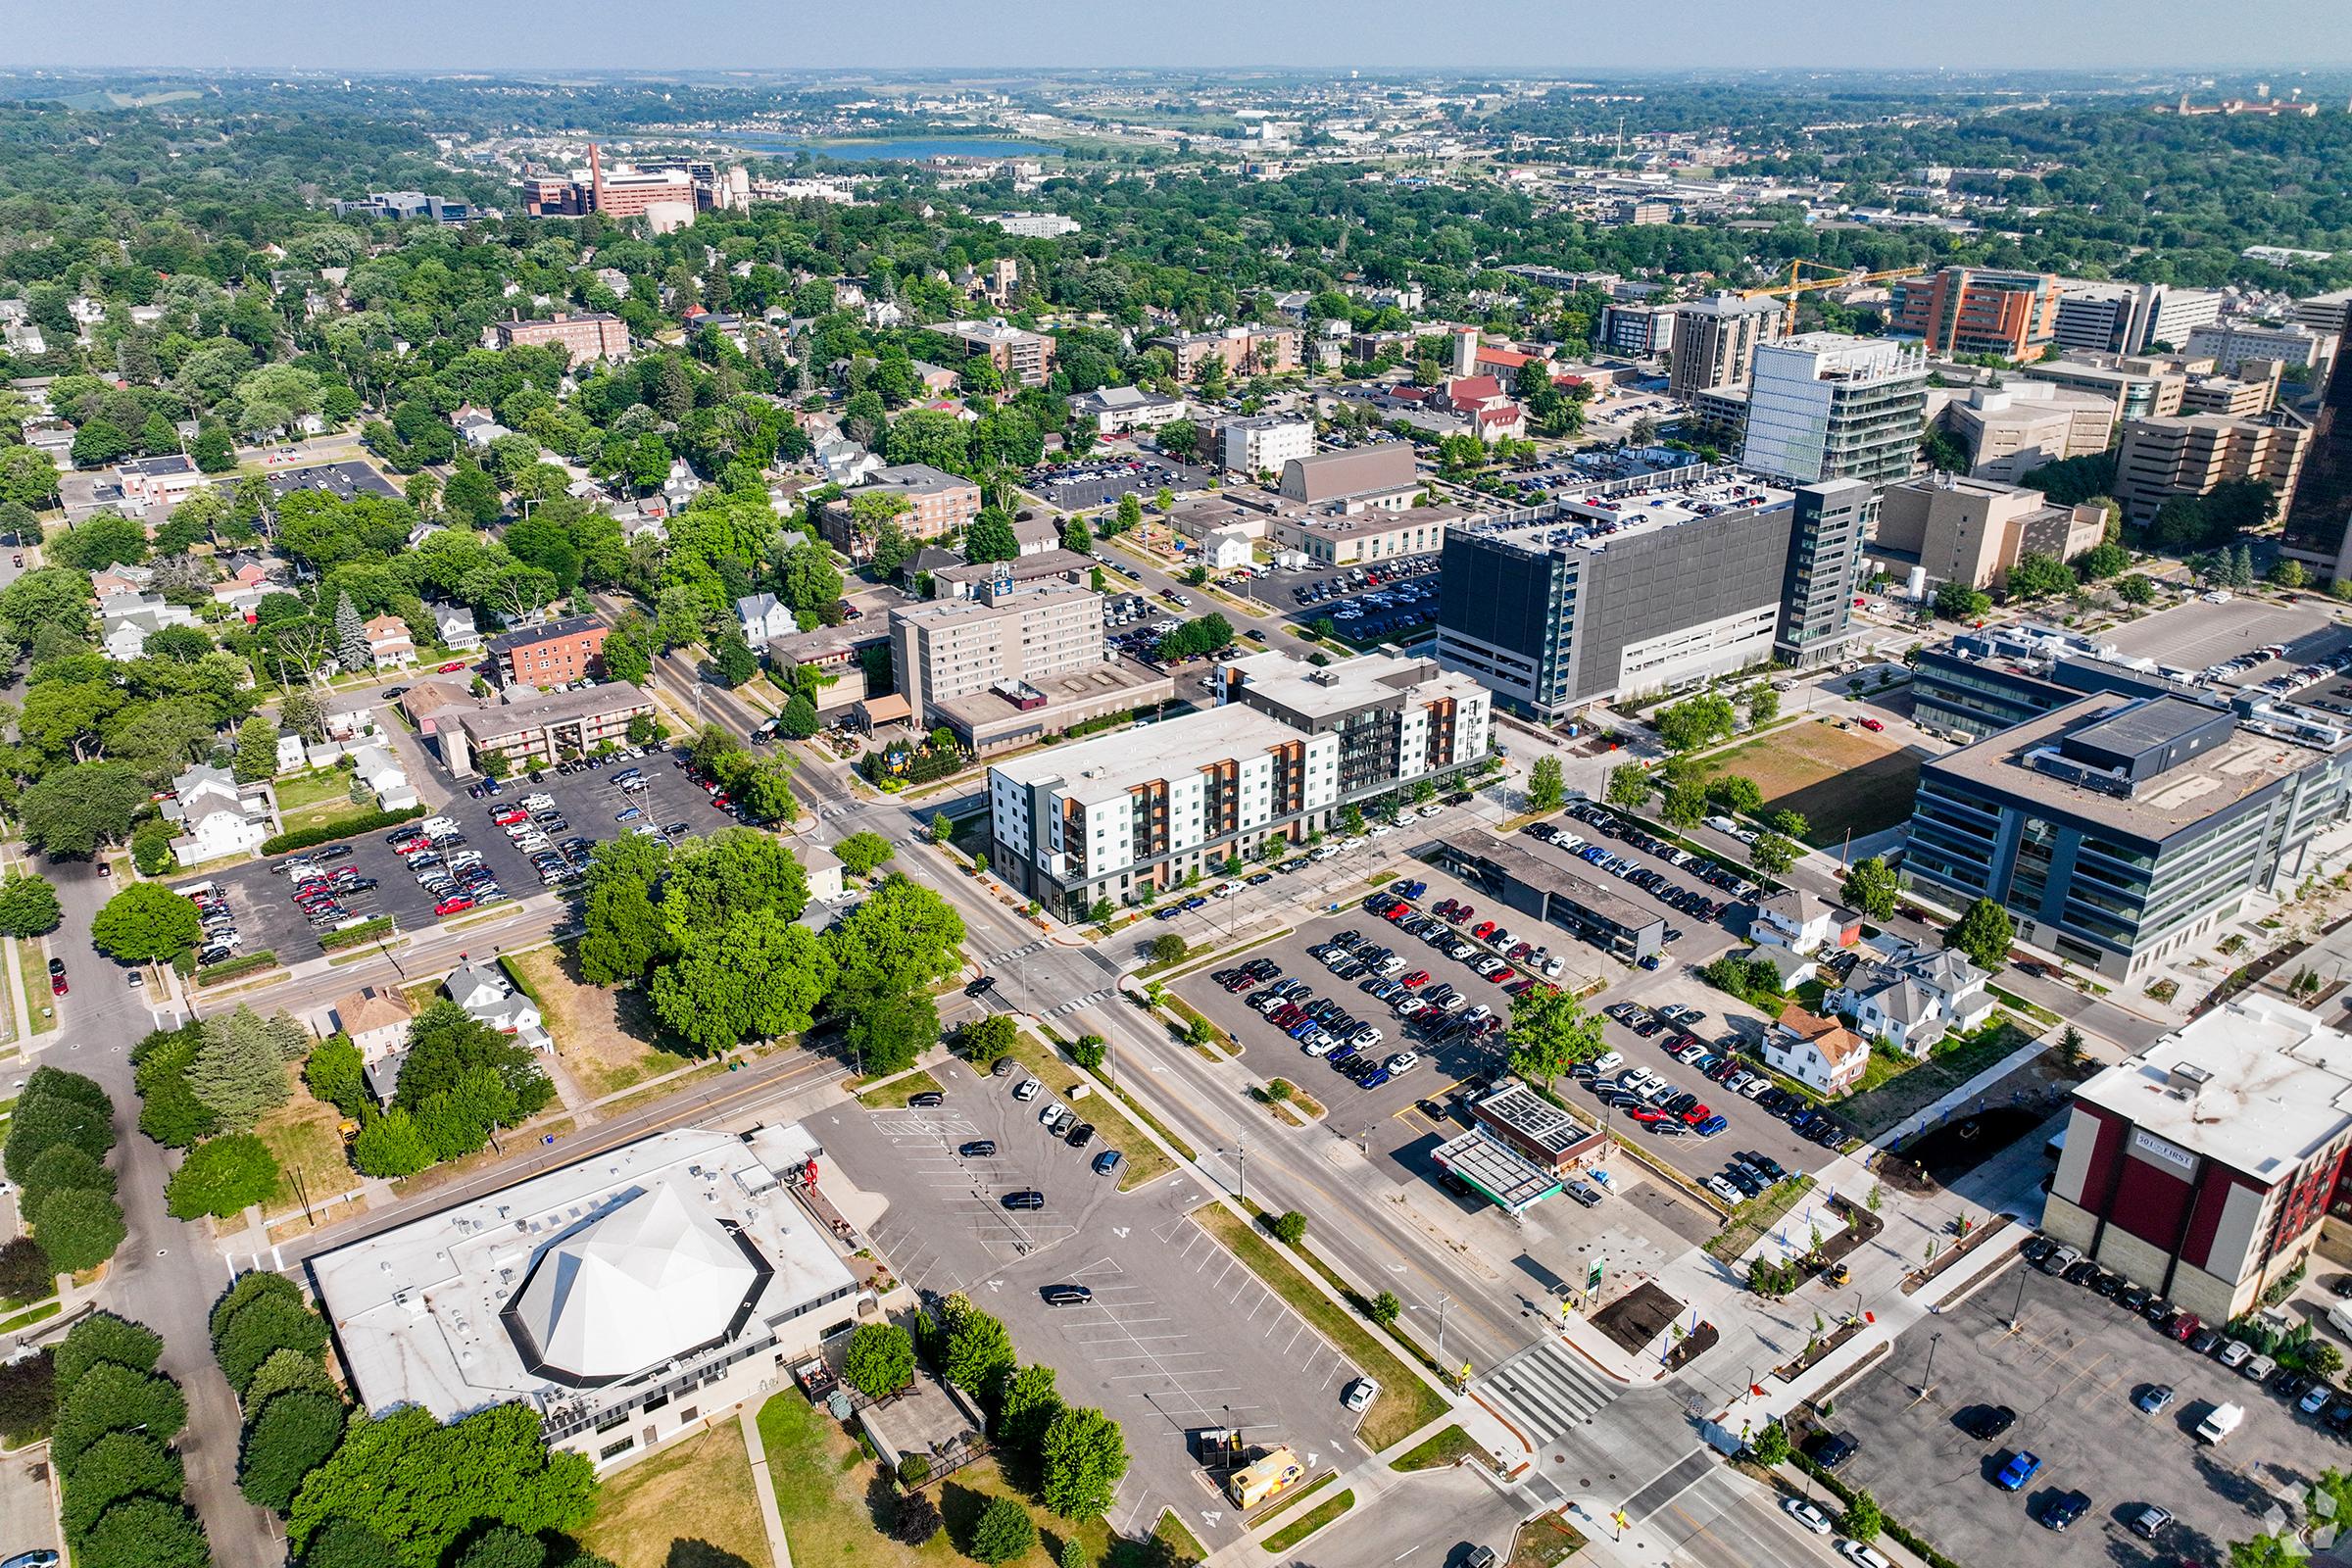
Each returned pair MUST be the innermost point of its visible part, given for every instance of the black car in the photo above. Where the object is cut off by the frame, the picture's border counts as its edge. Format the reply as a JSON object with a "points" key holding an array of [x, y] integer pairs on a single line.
{"points": [[1829, 1450], [1081, 1135], [2065, 1510], [1068, 1296], [978, 1148], [2083, 1272], [928, 1098], [1029, 1197], [1985, 1422]]}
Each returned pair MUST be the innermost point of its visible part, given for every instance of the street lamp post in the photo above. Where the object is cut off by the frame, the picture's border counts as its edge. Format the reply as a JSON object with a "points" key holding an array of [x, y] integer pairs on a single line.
{"points": [[1928, 1378], [2017, 1308]]}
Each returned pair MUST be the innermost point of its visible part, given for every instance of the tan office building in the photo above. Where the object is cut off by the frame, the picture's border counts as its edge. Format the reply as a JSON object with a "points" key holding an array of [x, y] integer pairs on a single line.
{"points": [[1365, 536], [2010, 431], [1715, 341], [1004, 636], [1972, 530], [2191, 454]]}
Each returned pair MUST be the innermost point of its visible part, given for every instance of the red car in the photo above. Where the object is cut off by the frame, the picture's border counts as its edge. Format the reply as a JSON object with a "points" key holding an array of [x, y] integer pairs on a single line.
{"points": [[1414, 981], [457, 904], [1504, 975], [1461, 911], [1695, 1114], [452, 667], [56, 985], [1646, 1114], [722, 802], [509, 816], [1483, 930], [1872, 724]]}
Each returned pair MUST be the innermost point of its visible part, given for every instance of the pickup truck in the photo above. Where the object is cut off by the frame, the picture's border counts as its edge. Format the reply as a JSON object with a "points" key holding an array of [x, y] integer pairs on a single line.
{"points": [[2221, 1423]]}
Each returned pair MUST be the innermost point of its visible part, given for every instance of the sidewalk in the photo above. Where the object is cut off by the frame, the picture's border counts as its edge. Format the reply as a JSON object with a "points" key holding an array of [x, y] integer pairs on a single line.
{"points": [[763, 1487]]}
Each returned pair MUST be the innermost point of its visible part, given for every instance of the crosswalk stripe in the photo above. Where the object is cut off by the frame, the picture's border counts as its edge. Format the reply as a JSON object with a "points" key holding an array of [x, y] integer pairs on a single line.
{"points": [[1545, 1390]]}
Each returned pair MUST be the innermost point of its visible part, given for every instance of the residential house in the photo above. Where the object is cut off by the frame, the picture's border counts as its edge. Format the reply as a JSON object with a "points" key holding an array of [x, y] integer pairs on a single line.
{"points": [[489, 997], [455, 628], [1797, 919], [219, 817], [825, 876], [116, 578], [1911, 998], [1036, 535], [764, 618], [477, 427], [1821, 1053], [376, 1019], [379, 770], [127, 621], [388, 642]]}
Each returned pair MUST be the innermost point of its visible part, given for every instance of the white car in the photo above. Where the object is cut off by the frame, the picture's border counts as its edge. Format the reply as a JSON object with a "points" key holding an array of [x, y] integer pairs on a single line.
{"points": [[1755, 1087], [1553, 968], [1861, 1556], [1027, 1090], [1379, 830], [1431, 809], [1723, 1190], [1318, 1044], [1402, 1062], [1804, 1514], [1608, 1061], [1359, 1395]]}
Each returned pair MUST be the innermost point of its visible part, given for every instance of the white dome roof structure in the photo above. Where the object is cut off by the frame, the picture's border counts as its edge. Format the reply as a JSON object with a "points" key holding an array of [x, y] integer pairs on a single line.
{"points": [[650, 1280]]}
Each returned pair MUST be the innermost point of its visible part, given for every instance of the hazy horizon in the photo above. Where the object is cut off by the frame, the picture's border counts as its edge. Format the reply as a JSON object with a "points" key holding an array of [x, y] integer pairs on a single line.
{"points": [[1517, 38]]}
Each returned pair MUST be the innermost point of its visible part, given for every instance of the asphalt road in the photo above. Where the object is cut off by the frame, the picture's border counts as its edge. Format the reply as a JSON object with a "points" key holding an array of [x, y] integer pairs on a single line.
{"points": [[167, 1274]]}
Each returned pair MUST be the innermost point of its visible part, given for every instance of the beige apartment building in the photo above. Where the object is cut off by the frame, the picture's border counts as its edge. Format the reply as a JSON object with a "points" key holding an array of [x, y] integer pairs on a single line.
{"points": [[2191, 454], [1022, 357], [1972, 530], [1261, 350], [591, 336], [950, 648], [1714, 342]]}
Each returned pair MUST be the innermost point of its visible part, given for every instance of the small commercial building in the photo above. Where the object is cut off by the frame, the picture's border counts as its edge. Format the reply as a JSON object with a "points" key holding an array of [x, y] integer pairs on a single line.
{"points": [[1350, 539], [1492, 1170], [2206, 1167], [1550, 891], [1538, 1131], [1382, 473]]}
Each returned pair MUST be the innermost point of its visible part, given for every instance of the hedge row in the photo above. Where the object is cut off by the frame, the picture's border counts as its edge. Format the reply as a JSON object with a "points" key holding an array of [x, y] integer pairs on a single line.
{"points": [[366, 931], [349, 827], [212, 974]]}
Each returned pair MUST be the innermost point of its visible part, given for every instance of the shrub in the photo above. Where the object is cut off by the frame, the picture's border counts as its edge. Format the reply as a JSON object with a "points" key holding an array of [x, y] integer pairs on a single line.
{"points": [[349, 827], [1289, 1227], [1005, 1532], [212, 974], [913, 1469]]}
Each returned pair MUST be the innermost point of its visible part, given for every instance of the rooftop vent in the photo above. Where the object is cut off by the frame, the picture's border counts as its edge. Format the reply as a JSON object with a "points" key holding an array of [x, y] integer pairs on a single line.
{"points": [[2188, 1077]]}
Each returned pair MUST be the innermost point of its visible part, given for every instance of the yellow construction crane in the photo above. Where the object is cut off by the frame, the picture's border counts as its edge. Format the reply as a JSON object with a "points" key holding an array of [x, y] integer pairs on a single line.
{"points": [[1839, 277]]}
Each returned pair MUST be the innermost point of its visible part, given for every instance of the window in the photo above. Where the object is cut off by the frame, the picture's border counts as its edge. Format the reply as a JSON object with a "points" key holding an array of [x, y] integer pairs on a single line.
{"points": [[610, 1450]]}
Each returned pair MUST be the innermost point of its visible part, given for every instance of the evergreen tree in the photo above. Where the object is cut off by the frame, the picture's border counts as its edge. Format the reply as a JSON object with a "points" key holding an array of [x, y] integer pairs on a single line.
{"points": [[351, 638]]}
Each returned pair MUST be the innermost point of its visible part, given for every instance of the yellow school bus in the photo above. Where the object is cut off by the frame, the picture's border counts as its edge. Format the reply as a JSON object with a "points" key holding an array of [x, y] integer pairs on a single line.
{"points": [[1261, 1478]]}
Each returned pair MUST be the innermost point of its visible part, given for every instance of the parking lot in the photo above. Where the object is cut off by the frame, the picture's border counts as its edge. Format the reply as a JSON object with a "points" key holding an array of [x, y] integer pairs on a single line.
{"points": [[1177, 1335], [1102, 481], [2071, 1373], [268, 919]]}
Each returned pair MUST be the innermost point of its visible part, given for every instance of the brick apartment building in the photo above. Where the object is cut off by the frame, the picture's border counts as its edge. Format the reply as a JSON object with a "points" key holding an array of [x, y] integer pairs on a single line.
{"points": [[589, 336], [556, 653], [1260, 350], [1970, 310], [938, 503]]}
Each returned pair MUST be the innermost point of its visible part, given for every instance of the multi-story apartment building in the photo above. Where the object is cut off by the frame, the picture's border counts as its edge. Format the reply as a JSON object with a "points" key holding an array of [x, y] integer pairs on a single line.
{"points": [[2118, 829], [1288, 746], [1003, 638], [1643, 584], [1973, 310], [1825, 406], [2230, 344], [2326, 312], [2011, 430], [2319, 517], [594, 335], [1714, 340], [554, 653], [1245, 350], [2190, 454], [1021, 357], [1262, 443], [937, 504], [1034, 226], [1638, 331], [2131, 317], [542, 727], [1972, 530]]}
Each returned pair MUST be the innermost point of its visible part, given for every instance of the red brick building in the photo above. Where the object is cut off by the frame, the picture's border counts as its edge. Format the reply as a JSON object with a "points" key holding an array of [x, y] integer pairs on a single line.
{"points": [[589, 336], [556, 653]]}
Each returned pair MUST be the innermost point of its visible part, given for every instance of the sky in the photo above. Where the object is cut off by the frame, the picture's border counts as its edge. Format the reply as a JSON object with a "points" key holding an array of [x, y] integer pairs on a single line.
{"points": [[1530, 37]]}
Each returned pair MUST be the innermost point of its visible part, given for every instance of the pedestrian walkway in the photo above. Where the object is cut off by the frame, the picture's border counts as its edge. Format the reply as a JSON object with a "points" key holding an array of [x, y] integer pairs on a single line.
{"points": [[763, 1487], [1545, 1390]]}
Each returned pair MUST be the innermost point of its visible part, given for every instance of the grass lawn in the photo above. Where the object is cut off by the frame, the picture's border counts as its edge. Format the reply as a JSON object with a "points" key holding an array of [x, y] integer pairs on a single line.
{"points": [[1751, 1220], [607, 1037], [1145, 1162], [1406, 1403], [1546, 1543], [317, 798], [1306, 1524], [689, 1503], [1438, 1450], [32, 971], [302, 1134], [1910, 1085], [893, 1094], [1182, 1545], [1838, 779], [836, 1504]]}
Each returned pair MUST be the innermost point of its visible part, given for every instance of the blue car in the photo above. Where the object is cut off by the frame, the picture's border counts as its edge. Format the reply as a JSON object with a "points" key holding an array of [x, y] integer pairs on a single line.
{"points": [[1711, 1126], [1375, 1078], [2021, 1468], [1341, 1056], [1196, 901], [1299, 1030]]}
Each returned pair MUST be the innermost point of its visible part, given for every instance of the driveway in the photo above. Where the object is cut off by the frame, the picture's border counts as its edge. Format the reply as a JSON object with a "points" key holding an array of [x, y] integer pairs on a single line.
{"points": [[1178, 1335]]}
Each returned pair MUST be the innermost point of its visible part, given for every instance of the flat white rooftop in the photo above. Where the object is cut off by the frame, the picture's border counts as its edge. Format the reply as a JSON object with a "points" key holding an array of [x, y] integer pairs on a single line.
{"points": [[2255, 1085], [1107, 767]]}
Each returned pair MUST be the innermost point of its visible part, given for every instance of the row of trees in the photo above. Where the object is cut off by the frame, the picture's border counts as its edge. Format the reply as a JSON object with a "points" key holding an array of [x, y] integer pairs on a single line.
{"points": [[59, 1135], [204, 1086], [121, 1481], [461, 1081]]}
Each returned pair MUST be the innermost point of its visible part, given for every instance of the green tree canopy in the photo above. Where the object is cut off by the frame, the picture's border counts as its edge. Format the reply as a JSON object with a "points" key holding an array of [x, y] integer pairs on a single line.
{"points": [[1983, 932], [879, 1361], [145, 921], [1083, 1459]]}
